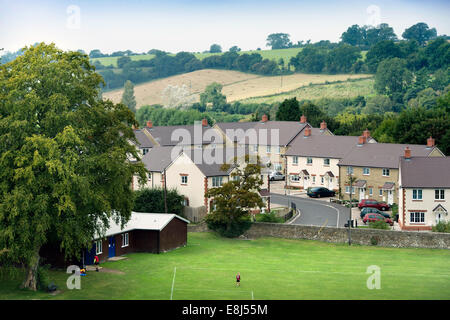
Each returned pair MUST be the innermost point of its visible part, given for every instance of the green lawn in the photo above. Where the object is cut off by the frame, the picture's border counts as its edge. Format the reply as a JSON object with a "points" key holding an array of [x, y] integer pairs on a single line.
{"points": [[270, 268]]}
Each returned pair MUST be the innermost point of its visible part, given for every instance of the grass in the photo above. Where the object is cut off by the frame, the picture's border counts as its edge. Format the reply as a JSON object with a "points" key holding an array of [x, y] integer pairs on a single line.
{"points": [[340, 89], [270, 268], [239, 86]]}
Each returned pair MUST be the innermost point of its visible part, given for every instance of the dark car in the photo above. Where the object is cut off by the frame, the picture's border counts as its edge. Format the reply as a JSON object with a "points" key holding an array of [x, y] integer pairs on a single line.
{"points": [[367, 210], [319, 192], [372, 217], [383, 206]]}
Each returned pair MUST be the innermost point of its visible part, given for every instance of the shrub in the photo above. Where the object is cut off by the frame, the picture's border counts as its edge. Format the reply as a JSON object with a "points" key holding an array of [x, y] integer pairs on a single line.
{"points": [[229, 230], [374, 240], [269, 217], [441, 227], [380, 224], [42, 277], [152, 200]]}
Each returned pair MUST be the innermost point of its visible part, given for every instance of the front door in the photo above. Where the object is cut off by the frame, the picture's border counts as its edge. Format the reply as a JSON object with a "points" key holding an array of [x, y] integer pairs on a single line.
{"points": [[111, 247], [305, 182], [438, 218], [361, 194], [330, 183], [390, 197]]}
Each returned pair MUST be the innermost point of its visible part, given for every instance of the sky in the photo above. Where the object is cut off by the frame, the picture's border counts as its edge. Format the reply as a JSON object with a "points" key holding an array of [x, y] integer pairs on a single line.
{"points": [[182, 25]]}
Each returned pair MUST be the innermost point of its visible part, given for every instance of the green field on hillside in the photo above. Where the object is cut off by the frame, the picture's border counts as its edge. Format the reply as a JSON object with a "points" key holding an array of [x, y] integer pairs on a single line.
{"points": [[344, 89], [270, 268], [286, 54]]}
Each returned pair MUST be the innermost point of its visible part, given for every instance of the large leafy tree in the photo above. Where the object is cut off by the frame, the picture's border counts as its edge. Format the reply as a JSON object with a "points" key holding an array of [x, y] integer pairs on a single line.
{"points": [[278, 41], [393, 78], [288, 110], [64, 169], [420, 32], [234, 200]]}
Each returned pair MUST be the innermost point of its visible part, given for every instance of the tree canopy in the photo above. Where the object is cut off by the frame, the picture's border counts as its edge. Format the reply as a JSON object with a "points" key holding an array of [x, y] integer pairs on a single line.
{"points": [[64, 168]]}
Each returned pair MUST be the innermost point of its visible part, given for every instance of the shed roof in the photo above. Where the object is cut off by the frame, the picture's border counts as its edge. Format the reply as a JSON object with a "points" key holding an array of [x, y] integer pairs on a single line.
{"points": [[142, 221]]}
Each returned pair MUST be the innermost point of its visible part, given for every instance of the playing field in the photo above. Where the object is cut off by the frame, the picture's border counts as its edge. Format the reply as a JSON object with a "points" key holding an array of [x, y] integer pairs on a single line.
{"points": [[236, 85], [270, 268]]}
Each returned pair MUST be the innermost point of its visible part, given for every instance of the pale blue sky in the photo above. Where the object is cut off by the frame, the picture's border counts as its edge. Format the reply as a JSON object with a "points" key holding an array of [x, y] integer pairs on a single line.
{"points": [[177, 25]]}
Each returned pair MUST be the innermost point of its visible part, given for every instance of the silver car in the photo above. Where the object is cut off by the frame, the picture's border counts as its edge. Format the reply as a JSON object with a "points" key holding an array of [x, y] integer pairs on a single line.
{"points": [[276, 175]]}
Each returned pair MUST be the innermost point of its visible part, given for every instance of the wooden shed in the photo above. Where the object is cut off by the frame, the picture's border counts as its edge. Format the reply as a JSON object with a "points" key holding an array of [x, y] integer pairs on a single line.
{"points": [[145, 232]]}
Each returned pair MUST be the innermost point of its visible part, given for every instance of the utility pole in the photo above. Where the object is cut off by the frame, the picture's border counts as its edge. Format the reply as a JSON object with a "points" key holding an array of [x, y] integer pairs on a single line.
{"points": [[165, 192]]}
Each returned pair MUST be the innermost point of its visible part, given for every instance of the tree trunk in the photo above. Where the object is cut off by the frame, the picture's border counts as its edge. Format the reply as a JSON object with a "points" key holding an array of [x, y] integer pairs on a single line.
{"points": [[31, 280]]}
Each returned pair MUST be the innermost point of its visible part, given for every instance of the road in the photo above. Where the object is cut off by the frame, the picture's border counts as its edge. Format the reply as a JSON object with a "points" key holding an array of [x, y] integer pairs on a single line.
{"points": [[314, 212]]}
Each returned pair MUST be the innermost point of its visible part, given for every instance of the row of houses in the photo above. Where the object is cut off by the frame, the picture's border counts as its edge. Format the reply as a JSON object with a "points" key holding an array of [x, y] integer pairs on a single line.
{"points": [[309, 157]]}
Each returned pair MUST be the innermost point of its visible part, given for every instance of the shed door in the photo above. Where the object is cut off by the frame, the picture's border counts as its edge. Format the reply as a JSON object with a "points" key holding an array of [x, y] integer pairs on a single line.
{"points": [[111, 247]]}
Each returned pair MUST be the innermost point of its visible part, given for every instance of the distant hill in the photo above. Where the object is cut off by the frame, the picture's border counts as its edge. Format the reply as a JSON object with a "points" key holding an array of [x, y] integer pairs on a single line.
{"points": [[236, 85]]}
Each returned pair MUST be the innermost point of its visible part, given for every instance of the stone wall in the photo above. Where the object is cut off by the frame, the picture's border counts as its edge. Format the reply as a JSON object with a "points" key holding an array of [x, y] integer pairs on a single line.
{"points": [[385, 238]]}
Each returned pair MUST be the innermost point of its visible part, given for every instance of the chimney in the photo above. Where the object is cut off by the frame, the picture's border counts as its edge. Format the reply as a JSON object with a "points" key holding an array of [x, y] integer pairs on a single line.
{"points": [[361, 140], [204, 122], [264, 118], [407, 153], [323, 125], [430, 142], [303, 119], [366, 134], [134, 127], [149, 124], [307, 132]]}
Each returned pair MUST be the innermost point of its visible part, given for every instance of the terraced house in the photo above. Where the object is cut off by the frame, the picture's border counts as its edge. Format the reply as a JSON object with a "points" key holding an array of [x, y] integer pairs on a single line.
{"points": [[376, 169], [268, 139], [424, 198], [312, 158]]}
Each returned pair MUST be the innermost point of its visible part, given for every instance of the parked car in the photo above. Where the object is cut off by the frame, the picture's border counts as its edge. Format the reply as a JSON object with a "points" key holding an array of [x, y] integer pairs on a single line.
{"points": [[318, 192], [383, 206], [367, 210], [372, 217], [276, 175]]}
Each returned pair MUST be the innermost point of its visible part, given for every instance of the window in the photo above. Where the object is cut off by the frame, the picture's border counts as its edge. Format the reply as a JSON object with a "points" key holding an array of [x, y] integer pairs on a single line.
{"points": [[386, 172], [149, 177], [268, 149], [216, 181], [417, 194], [366, 171], [308, 160], [314, 179], [347, 189], [349, 170], [125, 240], [186, 202], [236, 178], [326, 162], [370, 191], [98, 247], [417, 217], [295, 160], [381, 192], [144, 151], [184, 179], [277, 166], [295, 178], [439, 194], [321, 180], [278, 150], [255, 148]]}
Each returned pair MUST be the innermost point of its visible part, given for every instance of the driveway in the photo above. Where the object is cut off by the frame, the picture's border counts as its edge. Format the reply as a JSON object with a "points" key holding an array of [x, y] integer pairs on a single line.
{"points": [[314, 212]]}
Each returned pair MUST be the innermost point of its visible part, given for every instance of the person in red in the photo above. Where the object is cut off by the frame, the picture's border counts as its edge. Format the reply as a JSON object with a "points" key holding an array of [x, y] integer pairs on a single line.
{"points": [[96, 263], [238, 280]]}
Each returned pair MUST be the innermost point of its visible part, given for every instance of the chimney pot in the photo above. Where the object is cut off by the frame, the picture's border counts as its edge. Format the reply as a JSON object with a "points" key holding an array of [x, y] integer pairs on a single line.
{"points": [[366, 134], [149, 124], [407, 153], [303, 119], [264, 118], [323, 125], [204, 122], [361, 140], [430, 142], [307, 131]]}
